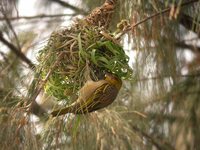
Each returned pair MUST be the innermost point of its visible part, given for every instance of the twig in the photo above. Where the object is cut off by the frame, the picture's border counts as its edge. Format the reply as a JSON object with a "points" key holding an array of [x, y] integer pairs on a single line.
{"points": [[156, 142], [166, 76], [16, 51], [135, 112], [189, 22], [4, 56], [43, 82], [167, 10], [12, 29], [36, 17], [148, 137], [65, 4], [183, 45]]}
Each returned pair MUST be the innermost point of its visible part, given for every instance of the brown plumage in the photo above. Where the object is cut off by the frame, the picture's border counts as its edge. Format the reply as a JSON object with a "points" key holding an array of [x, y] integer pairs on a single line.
{"points": [[94, 96]]}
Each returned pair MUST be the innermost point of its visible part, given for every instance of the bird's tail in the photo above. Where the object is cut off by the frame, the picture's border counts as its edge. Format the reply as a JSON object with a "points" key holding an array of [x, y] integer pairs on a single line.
{"points": [[62, 111], [76, 108]]}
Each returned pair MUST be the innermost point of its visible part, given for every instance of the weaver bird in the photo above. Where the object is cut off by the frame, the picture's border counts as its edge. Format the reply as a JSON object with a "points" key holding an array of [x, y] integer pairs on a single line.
{"points": [[94, 96]]}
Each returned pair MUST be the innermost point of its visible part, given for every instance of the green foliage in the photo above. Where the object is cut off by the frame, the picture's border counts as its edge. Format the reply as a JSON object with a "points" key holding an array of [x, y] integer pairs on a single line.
{"points": [[111, 57]]}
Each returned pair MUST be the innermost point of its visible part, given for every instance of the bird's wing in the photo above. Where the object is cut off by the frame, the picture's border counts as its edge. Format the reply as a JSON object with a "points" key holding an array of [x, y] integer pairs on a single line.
{"points": [[102, 97], [89, 88]]}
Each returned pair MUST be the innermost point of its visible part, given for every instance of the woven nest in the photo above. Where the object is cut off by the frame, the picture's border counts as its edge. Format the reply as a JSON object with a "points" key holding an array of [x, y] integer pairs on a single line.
{"points": [[73, 55]]}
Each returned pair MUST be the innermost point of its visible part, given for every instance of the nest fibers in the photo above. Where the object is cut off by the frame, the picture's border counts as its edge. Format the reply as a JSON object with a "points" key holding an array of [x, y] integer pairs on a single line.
{"points": [[73, 55]]}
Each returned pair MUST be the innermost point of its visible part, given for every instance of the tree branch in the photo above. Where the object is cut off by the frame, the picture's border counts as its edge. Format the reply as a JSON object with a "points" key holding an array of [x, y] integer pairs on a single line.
{"points": [[189, 23], [34, 107], [36, 17], [11, 28], [167, 10], [160, 145], [16, 51], [197, 75], [188, 46], [65, 4]]}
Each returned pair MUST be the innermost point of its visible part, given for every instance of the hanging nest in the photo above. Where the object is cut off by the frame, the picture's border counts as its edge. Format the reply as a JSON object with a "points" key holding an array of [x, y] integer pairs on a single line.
{"points": [[76, 54]]}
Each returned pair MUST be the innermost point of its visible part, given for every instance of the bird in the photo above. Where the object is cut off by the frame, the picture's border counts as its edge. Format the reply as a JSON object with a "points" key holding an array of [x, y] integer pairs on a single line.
{"points": [[94, 95]]}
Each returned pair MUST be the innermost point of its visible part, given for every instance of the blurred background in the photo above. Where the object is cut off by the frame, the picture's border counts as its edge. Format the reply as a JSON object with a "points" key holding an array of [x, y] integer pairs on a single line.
{"points": [[157, 109]]}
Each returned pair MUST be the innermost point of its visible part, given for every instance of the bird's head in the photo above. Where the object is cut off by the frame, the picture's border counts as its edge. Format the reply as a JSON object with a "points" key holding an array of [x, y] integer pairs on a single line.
{"points": [[113, 79]]}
